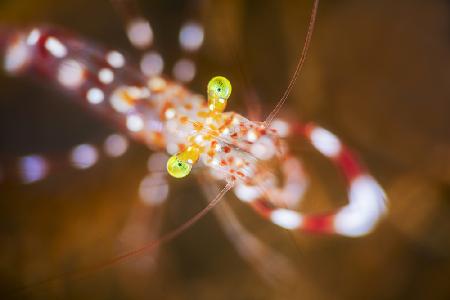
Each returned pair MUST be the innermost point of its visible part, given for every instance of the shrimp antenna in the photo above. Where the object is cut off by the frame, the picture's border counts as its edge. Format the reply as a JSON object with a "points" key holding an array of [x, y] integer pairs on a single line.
{"points": [[301, 62], [136, 252]]}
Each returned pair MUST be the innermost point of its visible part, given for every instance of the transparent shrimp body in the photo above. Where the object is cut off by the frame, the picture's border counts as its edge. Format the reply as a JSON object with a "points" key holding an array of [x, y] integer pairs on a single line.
{"points": [[164, 114], [246, 153], [224, 142]]}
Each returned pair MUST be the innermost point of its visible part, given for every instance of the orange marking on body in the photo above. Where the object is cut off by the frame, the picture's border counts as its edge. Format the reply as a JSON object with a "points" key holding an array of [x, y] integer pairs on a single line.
{"points": [[226, 124], [167, 105], [308, 128], [217, 116], [212, 134], [229, 120], [203, 114], [157, 139], [223, 163], [180, 92], [244, 128], [198, 126], [240, 173], [188, 106], [226, 149], [127, 97], [230, 159], [184, 119], [213, 127]]}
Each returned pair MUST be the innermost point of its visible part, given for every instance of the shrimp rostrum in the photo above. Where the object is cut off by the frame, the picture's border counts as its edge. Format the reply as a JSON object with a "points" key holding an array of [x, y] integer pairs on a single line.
{"points": [[198, 131]]}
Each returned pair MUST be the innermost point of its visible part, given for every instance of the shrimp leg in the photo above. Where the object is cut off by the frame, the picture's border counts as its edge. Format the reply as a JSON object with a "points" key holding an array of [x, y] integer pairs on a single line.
{"points": [[271, 265], [366, 198], [36, 167]]}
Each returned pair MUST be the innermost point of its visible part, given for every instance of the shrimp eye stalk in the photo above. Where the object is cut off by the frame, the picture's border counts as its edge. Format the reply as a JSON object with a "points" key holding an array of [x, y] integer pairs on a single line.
{"points": [[219, 90], [180, 164], [178, 168]]}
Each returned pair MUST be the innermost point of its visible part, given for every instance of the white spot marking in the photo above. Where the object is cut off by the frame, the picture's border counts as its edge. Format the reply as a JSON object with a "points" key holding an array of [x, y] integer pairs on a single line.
{"points": [[263, 149], [154, 189], [33, 37], [55, 47], [191, 36], [71, 73], [33, 168], [184, 70], [281, 127], [367, 205], [198, 139], [135, 123], [84, 156], [247, 193], [115, 59], [17, 55], [120, 98], [106, 75], [252, 136], [286, 218], [325, 142], [95, 96], [172, 148], [140, 33], [115, 145], [226, 131], [156, 83], [169, 113], [152, 64]]}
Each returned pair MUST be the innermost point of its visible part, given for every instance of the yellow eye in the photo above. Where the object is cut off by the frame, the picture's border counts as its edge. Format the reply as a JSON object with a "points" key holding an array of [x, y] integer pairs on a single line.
{"points": [[177, 167], [219, 87]]}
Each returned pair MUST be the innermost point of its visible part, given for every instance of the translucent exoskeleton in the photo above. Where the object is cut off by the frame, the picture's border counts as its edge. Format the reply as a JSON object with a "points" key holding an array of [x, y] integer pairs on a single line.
{"points": [[189, 132]]}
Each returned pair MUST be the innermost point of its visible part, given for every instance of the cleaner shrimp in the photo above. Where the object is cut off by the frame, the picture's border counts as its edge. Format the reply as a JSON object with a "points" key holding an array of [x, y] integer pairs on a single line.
{"points": [[252, 158]]}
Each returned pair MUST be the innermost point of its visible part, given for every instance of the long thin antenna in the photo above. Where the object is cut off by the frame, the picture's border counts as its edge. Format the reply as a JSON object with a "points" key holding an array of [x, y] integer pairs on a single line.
{"points": [[301, 62], [136, 252]]}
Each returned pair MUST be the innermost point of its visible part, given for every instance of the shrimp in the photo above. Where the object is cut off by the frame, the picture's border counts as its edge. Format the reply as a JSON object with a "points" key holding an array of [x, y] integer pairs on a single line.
{"points": [[194, 130]]}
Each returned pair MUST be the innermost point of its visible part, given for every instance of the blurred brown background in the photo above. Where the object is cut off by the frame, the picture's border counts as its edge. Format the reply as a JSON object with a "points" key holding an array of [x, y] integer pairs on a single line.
{"points": [[378, 75]]}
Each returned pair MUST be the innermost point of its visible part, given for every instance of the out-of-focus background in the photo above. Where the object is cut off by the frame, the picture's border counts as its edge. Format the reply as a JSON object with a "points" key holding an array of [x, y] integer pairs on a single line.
{"points": [[378, 75]]}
